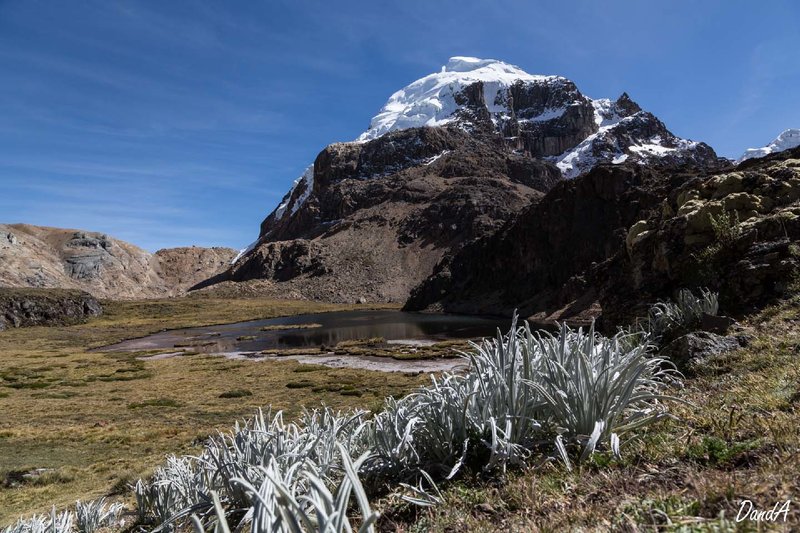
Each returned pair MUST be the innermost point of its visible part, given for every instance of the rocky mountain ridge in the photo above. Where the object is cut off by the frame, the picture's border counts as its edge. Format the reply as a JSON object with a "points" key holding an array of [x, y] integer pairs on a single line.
{"points": [[42, 257], [447, 161], [544, 117]]}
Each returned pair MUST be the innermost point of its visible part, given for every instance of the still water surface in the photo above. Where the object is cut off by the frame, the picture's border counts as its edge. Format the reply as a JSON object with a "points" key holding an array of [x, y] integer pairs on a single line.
{"points": [[333, 328]]}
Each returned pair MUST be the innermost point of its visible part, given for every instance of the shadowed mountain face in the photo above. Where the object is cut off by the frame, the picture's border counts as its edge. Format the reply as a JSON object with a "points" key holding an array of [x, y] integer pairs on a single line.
{"points": [[448, 161], [538, 262], [41, 257], [381, 214], [631, 234]]}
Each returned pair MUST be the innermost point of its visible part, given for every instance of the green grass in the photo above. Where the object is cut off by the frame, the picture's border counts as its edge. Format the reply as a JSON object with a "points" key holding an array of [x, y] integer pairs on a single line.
{"points": [[155, 402]]}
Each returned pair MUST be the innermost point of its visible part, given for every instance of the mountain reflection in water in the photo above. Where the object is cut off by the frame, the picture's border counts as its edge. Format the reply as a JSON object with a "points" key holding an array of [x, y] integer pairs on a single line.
{"points": [[331, 329]]}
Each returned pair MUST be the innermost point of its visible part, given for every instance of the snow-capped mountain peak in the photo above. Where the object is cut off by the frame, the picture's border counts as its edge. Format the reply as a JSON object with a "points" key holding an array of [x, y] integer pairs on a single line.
{"points": [[785, 141], [433, 99], [542, 117]]}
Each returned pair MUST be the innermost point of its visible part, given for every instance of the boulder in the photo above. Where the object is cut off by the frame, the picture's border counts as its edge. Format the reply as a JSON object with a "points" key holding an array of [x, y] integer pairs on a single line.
{"points": [[692, 349]]}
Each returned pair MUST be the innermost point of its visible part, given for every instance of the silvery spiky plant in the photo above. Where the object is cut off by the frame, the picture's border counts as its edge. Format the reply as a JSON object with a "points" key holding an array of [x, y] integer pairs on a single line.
{"points": [[95, 515], [489, 412], [597, 388], [87, 518], [54, 523], [685, 313], [298, 499], [233, 460]]}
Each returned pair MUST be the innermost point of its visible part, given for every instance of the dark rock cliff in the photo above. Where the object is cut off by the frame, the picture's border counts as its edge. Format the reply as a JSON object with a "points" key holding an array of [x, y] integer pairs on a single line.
{"points": [[612, 241], [381, 214], [536, 263], [45, 307]]}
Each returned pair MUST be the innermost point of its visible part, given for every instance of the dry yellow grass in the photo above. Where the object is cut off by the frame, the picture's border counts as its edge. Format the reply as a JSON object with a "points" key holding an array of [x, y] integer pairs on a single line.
{"points": [[100, 420]]}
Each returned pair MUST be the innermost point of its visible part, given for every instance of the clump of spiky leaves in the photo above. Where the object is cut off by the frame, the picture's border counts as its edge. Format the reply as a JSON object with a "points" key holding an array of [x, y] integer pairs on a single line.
{"points": [[520, 388], [595, 388], [87, 518], [183, 485], [488, 414], [54, 523], [298, 499], [666, 319], [95, 515]]}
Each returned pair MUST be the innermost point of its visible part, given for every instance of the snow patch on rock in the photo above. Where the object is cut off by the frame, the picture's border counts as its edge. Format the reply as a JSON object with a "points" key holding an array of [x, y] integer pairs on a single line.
{"points": [[605, 112], [435, 158], [611, 144], [306, 180], [244, 251]]}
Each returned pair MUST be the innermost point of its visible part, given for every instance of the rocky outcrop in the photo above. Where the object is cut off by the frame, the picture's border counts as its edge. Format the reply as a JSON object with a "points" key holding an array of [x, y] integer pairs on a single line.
{"points": [[182, 268], [619, 238], [45, 307], [284, 260], [539, 262], [541, 117], [42, 257], [735, 232], [693, 350], [350, 177], [379, 215]]}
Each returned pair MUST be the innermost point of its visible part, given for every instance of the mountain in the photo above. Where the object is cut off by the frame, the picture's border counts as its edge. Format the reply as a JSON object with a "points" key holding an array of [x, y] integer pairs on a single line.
{"points": [[448, 160], [543, 116], [42, 257], [641, 233], [785, 141]]}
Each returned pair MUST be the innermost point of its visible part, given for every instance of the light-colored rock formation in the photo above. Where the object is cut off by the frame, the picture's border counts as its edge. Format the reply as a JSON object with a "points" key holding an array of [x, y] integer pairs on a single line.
{"points": [[37, 256]]}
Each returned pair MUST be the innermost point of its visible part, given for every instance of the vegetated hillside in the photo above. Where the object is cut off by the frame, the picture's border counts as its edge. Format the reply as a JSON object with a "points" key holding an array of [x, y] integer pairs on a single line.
{"points": [[618, 237], [43, 257], [448, 160]]}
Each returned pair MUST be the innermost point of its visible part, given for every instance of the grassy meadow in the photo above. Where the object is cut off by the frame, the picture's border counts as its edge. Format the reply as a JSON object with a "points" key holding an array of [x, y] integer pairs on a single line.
{"points": [[96, 421]]}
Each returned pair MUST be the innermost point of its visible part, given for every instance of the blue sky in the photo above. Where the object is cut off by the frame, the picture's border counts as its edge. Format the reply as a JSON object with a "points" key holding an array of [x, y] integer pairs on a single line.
{"points": [[177, 123]]}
